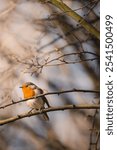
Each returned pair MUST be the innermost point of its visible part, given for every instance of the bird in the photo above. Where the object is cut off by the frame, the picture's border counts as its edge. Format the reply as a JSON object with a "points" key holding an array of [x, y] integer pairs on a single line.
{"points": [[30, 90]]}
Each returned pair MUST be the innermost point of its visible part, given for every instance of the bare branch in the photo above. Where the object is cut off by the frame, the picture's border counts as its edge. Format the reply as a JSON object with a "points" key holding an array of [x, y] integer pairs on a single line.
{"points": [[66, 107], [51, 93], [86, 5], [37, 65], [70, 54], [62, 6], [63, 62]]}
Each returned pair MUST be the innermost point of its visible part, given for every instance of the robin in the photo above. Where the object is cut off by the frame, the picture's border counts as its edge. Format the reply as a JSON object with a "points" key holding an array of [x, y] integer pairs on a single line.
{"points": [[30, 90]]}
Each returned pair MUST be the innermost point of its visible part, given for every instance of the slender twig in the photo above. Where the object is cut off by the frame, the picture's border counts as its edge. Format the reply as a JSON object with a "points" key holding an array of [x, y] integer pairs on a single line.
{"points": [[59, 108], [93, 131], [70, 62], [51, 93], [90, 9], [60, 60], [70, 54], [97, 139]]}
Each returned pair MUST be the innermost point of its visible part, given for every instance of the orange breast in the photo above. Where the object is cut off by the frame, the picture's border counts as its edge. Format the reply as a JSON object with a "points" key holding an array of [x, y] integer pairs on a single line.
{"points": [[28, 92]]}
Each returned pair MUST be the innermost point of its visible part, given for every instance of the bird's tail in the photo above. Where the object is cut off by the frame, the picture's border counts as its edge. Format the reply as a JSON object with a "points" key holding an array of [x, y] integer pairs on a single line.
{"points": [[45, 116]]}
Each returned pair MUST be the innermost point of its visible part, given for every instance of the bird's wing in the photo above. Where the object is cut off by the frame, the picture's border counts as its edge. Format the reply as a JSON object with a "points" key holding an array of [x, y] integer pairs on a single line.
{"points": [[46, 101], [44, 98]]}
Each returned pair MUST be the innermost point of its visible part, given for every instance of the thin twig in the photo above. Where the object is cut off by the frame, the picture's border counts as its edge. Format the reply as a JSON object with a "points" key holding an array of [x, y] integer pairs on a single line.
{"points": [[92, 143], [60, 59], [97, 139], [59, 108], [70, 54], [70, 62]]}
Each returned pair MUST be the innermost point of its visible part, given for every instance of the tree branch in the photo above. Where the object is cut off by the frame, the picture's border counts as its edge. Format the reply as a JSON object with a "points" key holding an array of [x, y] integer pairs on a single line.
{"points": [[79, 57], [51, 93], [59, 108], [62, 6]]}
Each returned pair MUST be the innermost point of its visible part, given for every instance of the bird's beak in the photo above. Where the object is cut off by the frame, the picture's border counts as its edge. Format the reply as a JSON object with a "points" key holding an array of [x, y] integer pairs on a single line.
{"points": [[20, 87]]}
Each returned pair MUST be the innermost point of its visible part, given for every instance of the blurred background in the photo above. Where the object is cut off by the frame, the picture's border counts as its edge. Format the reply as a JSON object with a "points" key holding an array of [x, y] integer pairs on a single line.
{"points": [[41, 44]]}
